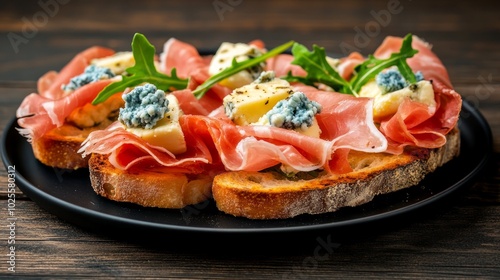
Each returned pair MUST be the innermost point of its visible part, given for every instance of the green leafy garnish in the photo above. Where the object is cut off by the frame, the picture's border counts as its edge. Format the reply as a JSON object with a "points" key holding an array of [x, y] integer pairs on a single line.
{"points": [[372, 66], [143, 71], [237, 67], [319, 70]]}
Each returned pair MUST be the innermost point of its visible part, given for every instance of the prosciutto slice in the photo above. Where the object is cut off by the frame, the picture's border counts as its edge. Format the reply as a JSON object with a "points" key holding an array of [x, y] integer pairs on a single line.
{"points": [[128, 150], [37, 114], [425, 60], [40, 112], [282, 65], [188, 63], [414, 124], [221, 143], [49, 85]]}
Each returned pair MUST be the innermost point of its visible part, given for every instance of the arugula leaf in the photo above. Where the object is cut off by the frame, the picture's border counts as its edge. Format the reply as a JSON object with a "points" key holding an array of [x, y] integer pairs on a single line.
{"points": [[237, 67], [143, 71], [318, 69], [372, 66]]}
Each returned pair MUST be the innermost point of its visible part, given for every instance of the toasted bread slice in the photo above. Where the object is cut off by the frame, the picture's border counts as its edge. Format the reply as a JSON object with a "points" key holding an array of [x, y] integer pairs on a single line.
{"points": [[59, 147], [148, 187], [268, 195]]}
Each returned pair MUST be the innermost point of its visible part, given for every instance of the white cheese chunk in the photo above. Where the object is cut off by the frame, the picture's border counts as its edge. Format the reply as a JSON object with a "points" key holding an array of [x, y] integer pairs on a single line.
{"points": [[117, 63], [313, 131], [167, 132], [387, 104], [245, 105], [223, 59]]}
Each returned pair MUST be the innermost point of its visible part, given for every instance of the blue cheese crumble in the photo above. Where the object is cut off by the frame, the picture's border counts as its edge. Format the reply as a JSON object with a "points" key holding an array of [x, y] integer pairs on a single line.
{"points": [[144, 107], [295, 112], [392, 80], [91, 74]]}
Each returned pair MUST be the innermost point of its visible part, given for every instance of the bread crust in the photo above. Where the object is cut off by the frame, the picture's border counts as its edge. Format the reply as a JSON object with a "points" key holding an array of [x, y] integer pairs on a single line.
{"points": [[59, 147], [60, 151], [148, 187], [264, 195]]}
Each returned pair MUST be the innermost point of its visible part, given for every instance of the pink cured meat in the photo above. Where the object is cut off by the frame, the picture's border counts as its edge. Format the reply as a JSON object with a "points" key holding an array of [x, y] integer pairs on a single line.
{"points": [[220, 142], [282, 64], [425, 60], [49, 85], [189, 64], [37, 114], [47, 109], [414, 124], [128, 150], [210, 141], [347, 64]]}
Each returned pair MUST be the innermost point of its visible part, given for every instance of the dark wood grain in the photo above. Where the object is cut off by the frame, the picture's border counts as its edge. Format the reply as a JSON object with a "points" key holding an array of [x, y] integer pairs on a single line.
{"points": [[459, 238]]}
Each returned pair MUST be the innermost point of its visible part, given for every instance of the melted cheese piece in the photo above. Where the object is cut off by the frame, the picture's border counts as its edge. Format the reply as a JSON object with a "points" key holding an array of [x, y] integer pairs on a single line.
{"points": [[387, 104], [167, 132]]}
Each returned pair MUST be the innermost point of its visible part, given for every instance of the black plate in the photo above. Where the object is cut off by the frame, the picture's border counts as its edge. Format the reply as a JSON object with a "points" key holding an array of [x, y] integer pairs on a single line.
{"points": [[68, 194]]}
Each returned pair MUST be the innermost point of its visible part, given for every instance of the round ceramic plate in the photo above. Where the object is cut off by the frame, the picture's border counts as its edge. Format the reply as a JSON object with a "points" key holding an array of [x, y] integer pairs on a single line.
{"points": [[68, 194]]}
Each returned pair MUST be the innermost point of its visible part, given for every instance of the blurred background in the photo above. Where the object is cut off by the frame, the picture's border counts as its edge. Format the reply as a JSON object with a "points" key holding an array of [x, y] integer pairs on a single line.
{"points": [[37, 36]]}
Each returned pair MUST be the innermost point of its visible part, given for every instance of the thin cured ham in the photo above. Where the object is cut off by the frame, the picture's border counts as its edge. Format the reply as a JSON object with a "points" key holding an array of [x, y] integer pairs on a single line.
{"points": [[128, 150], [346, 122], [40, 112], [347, 64], [188, 63], [50, 84], [282, 65], [425, 60], [254, 148], [414, 124], [37, 115]]}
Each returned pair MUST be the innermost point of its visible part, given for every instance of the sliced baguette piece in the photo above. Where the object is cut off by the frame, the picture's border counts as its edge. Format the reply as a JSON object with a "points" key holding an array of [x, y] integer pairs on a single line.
{"points": [[148, 187], [268, 195], [59, 147]]}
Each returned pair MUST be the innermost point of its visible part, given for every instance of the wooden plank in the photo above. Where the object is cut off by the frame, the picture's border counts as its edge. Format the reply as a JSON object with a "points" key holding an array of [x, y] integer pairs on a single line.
{"points": [[329, 25], [417, 248]]}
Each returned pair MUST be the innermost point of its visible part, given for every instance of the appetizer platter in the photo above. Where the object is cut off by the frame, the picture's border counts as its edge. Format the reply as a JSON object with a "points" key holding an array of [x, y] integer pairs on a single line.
{"points": [[245, 139]]}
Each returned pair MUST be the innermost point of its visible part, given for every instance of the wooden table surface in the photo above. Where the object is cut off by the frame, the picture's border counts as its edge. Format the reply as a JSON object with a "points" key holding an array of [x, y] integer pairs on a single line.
{"points": [[458, 237]]}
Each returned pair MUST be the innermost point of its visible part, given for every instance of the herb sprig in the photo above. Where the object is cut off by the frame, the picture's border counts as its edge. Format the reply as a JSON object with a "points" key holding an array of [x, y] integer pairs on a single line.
{"points": [[319, 70], [143, 71], [237, 67]]}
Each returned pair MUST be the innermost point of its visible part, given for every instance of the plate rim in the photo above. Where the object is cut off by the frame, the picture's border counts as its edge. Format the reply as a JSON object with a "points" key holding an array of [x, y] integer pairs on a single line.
{"points": [[37, 195]]}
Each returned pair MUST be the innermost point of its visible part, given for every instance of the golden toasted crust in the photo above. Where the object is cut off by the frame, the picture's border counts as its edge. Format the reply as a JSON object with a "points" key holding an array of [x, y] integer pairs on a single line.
{"points": [[148, 187], [266, 195], [59, 147]]}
